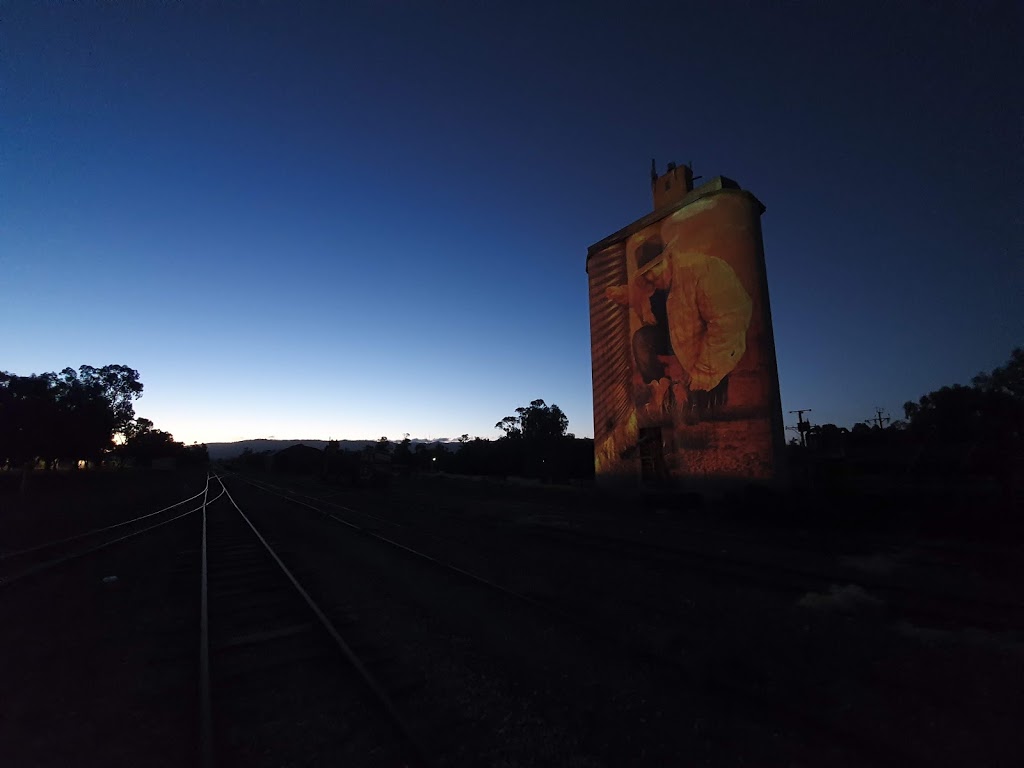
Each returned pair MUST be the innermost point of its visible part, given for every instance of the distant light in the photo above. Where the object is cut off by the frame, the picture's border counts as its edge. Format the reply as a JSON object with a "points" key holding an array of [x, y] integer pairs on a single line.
{"points": [[434, 459]]}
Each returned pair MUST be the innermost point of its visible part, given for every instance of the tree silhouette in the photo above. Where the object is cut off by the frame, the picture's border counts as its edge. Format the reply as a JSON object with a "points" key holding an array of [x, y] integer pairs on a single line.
{"points": [[29, 418], [977, 429], [536, 423], [535, 442], [147, 445], [402, 455], [75, 415], [1007, 379]]}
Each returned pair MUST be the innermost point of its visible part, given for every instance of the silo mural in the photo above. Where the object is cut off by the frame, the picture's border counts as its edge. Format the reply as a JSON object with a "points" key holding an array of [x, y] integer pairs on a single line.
{"points": [[685, 379]]}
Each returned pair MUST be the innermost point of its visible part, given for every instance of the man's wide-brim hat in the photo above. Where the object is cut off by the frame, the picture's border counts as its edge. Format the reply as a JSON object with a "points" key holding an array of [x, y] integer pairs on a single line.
{"points": [[676, 224]]}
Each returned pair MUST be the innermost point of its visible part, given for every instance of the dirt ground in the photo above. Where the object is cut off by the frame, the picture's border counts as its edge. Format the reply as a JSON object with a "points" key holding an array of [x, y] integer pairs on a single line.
{"points": [[680, 635], [897, 635], [61, 503], [98, 664]]}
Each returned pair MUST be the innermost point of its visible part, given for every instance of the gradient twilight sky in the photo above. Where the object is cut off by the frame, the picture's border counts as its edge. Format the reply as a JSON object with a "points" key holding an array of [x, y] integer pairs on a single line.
{"points": [[312, 220]]}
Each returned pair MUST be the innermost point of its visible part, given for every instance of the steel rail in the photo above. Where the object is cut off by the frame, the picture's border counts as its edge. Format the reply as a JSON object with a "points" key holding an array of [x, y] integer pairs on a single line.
{"points": [[290, 496], [444, 540], [205, 716], [48, 544], [423, 555], [858, 745], [754, 568], [413, 746], [6, 581]]}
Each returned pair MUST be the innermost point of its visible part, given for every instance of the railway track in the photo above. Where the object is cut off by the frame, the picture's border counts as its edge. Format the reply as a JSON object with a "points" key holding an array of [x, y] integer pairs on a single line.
{"points": [[840, 742], [899, 607], [280, 684], [291, 675], [941, 607], [23, 564], [877, 740]]}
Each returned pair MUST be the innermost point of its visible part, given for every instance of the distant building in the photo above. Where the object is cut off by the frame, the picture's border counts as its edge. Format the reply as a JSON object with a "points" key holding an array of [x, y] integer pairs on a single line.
{"points": [[686, 390]]}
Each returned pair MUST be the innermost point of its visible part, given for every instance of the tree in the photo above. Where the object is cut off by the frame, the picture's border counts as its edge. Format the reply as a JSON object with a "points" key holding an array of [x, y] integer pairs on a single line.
{"points": [[1007, 379], [117, 385], [536, 423], [70, 415], [535, 442], [29, 418], [146, 445], [195, 455], [136, 427], [510, 426], [978, 428], [88, 420], [402, 455]]}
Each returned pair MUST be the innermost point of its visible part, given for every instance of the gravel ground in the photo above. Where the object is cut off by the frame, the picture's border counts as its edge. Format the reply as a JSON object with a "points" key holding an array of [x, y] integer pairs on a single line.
{"points": [[528, 689], [768, 668], [911, 680], [281, 693], [59, 504], [101, 672]]}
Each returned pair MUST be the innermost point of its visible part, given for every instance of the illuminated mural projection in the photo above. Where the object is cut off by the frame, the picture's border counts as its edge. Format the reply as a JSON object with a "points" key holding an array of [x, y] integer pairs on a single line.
{"points": [[685, 380]]}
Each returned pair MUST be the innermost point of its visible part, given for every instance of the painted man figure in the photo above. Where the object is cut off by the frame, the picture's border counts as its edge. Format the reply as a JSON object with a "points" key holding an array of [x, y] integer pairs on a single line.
{"points": [[707, 311]]}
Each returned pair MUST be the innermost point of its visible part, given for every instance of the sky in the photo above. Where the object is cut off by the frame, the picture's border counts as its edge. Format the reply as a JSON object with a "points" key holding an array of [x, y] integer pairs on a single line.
{"points": [[349, 220]]}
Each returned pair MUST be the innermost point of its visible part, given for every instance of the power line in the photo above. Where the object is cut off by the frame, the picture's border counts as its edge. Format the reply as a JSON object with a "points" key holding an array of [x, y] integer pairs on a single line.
{"points": [[878, 419], [802, 426]]}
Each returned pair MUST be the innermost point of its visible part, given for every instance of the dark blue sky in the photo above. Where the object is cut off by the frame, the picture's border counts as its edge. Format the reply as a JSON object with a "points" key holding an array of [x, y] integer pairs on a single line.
{"points": [[314, 222]]}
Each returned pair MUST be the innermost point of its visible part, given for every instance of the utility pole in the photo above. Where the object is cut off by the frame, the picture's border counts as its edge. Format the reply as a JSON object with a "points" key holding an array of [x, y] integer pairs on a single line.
{"points": [[802, 426], [878, 418]]}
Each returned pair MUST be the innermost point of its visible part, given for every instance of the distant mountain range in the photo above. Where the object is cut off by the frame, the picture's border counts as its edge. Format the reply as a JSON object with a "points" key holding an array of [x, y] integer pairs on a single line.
{"points": [[230, 450]]}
